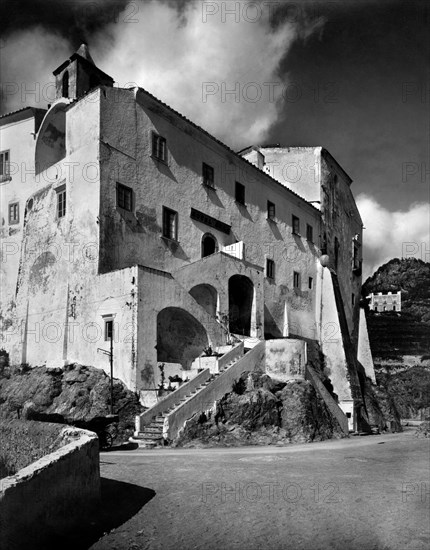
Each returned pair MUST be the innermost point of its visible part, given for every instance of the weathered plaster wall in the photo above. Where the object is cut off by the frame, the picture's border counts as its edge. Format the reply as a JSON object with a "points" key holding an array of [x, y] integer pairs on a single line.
{"points": [[126, 126], [58, 254], [17, 137], [298, 168], [331, 340], [158, 290], [315, 175], [286, 359], [342, 221], [364, 354], [216, 270], [51, 496]]}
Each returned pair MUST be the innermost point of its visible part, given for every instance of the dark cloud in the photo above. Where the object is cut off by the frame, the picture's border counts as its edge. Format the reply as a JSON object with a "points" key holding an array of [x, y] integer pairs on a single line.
{"points": [[75, 20]]}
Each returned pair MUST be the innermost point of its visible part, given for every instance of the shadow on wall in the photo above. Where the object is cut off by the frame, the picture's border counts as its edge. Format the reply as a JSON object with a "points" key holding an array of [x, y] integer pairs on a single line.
{"points": [[119, 502]]}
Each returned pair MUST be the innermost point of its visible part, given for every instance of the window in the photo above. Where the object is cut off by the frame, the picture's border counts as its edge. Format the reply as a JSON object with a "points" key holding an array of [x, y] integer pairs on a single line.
{"points": [[240, 193], [270, 268], [170, 224], [61, 201], [271, 211], [65, 85], [13, 213], [124, 197], [4, 165], [309, 233], [108, 329], [296, 279], [352, 298], [296, 225], [208, 175], [310, 283], [159, 147]]}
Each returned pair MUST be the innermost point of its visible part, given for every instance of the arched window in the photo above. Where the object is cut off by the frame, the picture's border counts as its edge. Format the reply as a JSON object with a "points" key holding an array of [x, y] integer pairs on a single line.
{"points": [[65, 84], [209, 245]]}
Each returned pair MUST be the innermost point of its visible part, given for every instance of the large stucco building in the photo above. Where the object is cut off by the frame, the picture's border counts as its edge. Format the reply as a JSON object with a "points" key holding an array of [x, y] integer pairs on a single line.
{"points": [[121, 214]]}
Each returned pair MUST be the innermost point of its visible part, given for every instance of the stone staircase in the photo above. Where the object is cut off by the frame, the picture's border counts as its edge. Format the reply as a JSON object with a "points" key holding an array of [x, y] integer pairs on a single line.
{"points": [[151, 435]]}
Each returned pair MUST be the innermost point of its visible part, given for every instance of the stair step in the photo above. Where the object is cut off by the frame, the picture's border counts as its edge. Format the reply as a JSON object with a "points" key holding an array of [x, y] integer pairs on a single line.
{"points": [[149, 437]]}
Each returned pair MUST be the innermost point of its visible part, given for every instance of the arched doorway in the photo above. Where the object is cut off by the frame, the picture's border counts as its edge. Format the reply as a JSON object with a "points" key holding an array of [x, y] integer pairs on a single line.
{"points": [[180, 337], [209, 245], [240, 298], [206, 296]]}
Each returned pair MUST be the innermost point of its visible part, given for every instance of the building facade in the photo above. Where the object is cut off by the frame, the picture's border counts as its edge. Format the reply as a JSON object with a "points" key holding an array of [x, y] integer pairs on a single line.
{"points": [[136, 223], [385, 302]]}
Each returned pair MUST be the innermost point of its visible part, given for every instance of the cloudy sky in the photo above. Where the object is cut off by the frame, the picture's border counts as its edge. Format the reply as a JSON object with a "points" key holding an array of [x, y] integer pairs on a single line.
{"points": [[352, 76]]}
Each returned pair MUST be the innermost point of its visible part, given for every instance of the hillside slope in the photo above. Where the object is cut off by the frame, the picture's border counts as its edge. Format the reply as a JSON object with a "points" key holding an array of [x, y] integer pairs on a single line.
{"points": [[400, 342]]}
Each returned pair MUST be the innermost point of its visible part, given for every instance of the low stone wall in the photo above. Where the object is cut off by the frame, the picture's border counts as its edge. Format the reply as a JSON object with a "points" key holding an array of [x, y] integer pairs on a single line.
{"points": [[205, 399], [44, 501]]}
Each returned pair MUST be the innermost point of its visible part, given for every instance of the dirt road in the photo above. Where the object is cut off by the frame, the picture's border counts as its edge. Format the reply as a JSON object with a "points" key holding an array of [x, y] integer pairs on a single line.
{"points": [[363, 493]]}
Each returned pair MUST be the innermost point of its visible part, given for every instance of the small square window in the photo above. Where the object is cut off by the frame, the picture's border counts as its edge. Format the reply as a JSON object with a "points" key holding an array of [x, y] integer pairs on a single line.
{"points": [[159, 147], [296, 279], [310, 283], [270, 268], [13, 213], [108, 330], [240, 193], [309, 233], [124, 197], [296, 225], [61, 201], [271, 210], [4, 165], [208, 175], [170, 224]]}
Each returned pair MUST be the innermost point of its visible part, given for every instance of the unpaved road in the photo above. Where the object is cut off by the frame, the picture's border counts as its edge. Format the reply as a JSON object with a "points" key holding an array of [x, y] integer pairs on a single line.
{"points": [[363, 493]]}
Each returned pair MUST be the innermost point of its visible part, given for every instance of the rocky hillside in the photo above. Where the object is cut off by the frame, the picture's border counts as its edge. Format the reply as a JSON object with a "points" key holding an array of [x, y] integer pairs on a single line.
{"points": [[400, 341], [263, 411], [412, 277], [75, 394]]}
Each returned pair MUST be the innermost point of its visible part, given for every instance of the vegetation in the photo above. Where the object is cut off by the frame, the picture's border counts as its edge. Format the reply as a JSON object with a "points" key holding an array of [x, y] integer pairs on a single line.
{"points": [[394, 335], [412, 277]]}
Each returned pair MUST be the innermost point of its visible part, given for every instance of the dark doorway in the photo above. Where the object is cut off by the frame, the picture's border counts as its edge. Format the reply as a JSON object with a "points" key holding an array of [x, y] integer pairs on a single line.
{"points": [[240, 297], [209, 245], [206, 296], [180, 337]]}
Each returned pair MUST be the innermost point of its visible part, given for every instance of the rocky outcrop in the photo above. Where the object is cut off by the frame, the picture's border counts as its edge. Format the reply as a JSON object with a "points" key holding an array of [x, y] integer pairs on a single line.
{"points": [[75, 394], [381, 408], [262, 411]]}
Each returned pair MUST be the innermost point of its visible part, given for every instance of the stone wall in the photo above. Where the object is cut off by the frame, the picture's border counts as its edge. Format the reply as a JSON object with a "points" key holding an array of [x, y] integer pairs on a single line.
{"points": [[286, 359], [51, 496]]}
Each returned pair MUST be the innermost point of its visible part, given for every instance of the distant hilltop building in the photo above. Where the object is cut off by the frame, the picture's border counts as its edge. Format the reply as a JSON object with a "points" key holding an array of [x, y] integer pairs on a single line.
{"points": [[385, 302]]}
